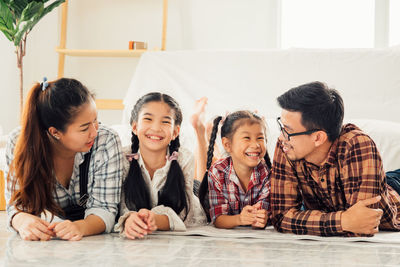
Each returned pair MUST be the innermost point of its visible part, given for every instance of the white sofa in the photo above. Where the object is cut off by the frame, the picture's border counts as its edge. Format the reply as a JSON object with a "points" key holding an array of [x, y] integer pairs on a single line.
{"points": [[368, 80]]}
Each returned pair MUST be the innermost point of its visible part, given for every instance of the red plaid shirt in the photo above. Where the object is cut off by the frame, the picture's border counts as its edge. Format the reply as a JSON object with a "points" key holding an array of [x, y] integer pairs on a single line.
{"points": [[352, 172], [226, 194]]}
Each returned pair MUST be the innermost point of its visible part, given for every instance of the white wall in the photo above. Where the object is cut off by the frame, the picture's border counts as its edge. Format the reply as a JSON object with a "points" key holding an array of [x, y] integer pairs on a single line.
{"points": [[106, 24]]}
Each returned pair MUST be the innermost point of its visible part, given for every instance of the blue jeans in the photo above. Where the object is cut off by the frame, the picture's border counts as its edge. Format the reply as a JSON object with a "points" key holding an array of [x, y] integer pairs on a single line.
{"points": [[393, 179]]}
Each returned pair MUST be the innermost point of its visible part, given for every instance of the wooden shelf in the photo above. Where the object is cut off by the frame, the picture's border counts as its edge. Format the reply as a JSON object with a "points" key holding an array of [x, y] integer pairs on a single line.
{"points": [[114, 104], [101, 53], [63, 51], [2, 188]]}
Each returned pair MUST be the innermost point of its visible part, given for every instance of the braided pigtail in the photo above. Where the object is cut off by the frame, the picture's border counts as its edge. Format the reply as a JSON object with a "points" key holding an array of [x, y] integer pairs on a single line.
{"points": [[203, 190], [173, 194], [267, 160], [137, 194]]}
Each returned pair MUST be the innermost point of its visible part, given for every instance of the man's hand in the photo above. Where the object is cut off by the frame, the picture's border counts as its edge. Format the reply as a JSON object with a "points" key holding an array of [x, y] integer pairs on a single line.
{"points": [[360, 219]]}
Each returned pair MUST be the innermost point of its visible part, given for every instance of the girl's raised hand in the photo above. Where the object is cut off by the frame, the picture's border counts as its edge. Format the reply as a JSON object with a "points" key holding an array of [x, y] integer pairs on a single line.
{"points": [[67, 230], [135, 225], [261, 216], [31, 227], [247, 215]]}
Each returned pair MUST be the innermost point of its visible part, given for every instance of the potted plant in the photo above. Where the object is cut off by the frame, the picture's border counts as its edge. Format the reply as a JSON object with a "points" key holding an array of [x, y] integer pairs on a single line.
{"points": [[17, 18]]}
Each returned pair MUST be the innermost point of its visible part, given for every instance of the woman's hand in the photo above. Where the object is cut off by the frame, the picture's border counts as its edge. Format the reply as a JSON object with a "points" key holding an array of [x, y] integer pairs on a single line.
{"points": [[140, 224], [67, 230], [31, 227]]}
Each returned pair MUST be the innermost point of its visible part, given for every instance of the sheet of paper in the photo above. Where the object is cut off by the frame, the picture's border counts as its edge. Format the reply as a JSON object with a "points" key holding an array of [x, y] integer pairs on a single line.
{"points": [[271, 234]]}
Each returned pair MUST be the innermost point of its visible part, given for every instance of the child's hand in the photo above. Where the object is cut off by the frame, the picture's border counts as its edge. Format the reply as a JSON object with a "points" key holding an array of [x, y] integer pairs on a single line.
{"points": [[261, 216], [148, 217], [247, 215], [136, 225], [66, 230]]}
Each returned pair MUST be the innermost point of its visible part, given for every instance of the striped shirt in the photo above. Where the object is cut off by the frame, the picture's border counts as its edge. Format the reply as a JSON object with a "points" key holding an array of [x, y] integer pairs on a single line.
{"points": [[227, 196], [104, 178], [352, 171]]}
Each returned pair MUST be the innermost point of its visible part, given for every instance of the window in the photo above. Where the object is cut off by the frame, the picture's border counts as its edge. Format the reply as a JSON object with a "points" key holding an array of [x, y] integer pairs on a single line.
{"points": [[328, 23], [394, 23]]}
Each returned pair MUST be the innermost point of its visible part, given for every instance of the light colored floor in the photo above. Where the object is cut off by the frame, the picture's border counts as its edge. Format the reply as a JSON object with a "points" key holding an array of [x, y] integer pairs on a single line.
{"points": [[160, 250]]}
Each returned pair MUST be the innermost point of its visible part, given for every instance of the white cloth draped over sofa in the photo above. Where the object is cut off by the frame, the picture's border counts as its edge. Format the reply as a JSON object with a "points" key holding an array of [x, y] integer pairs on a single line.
{"points": [[367, 79]]}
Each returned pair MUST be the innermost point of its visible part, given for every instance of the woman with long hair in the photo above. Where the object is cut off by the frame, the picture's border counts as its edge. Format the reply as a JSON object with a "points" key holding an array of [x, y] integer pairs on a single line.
{"points": [[63, 169]]}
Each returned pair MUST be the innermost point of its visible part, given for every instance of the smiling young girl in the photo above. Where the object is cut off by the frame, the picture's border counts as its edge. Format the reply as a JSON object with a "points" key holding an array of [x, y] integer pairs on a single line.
{"points": [[238, 186], [61, 163], [158, 188]]}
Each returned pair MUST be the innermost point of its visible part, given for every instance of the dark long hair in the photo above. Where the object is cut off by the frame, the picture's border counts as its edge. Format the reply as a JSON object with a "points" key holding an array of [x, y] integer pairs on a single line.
{"points": [[33, 167], [173, 193], [232, 122]]}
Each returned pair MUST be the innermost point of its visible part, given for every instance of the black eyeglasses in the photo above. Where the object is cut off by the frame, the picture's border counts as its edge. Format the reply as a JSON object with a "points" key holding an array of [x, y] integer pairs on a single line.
{"points": [[287, 135]]}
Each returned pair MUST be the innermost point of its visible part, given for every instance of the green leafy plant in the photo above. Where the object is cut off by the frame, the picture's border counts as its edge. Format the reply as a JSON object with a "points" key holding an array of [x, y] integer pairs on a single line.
{"points": [[17, 18]]}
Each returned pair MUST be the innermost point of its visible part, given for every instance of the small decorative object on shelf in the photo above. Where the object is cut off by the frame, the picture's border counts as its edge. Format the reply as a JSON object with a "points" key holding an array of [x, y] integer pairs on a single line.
{"points": [[138, 48], [133, 45]]}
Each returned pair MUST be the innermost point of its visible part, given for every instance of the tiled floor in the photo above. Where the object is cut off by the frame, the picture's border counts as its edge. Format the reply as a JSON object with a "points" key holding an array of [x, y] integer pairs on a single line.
{"points": [[162, 250]]}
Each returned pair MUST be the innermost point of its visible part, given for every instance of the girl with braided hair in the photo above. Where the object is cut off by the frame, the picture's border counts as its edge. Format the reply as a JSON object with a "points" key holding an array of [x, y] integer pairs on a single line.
{"points": [[235, 190], [157, 192]]}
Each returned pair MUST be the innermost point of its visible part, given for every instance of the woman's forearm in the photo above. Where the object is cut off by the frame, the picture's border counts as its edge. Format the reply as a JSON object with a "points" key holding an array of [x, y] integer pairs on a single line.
{"points": [[91, 225]]}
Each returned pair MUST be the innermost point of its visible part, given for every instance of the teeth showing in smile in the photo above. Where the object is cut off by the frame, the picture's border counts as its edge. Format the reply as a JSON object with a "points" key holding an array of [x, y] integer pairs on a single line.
{"points": [[152, 137], [253, 154]]}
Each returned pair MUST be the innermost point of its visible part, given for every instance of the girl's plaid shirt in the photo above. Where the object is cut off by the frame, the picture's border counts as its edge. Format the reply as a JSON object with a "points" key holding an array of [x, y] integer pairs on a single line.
{"points": [[227, 196]]}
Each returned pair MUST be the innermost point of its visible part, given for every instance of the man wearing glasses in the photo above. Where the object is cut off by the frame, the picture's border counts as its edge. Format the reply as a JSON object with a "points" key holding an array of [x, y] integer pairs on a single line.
{"points": [[327, 179]]}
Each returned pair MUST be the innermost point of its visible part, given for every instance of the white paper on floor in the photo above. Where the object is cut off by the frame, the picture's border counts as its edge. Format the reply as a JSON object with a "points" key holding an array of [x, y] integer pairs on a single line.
{"points": [[271, 234]]}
